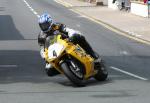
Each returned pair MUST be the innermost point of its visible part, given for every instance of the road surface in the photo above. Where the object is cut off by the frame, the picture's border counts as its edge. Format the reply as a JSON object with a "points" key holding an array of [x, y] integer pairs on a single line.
{"points": [[22, 75]]}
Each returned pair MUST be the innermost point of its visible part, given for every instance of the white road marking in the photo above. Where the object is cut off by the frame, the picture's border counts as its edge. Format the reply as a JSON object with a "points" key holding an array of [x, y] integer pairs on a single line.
{"points": [[78, 25], [38, 16], [27, 5], [8, 66], [30, 7], [124, 52], [130, 74], [24, 1], [80, 16], [33, 11], [133, 34]]}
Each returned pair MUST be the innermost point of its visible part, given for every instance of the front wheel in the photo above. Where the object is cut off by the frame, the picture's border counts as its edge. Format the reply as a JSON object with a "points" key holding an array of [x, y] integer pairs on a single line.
{"points": [[74, 72]]}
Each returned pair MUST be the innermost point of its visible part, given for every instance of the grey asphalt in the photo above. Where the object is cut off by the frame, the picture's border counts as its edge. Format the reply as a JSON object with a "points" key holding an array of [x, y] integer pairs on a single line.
{"points": [[22, 76]]}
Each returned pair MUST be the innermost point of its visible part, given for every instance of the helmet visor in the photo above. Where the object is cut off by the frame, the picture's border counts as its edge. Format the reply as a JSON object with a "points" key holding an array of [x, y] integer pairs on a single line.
{"points": [[45, 26]]}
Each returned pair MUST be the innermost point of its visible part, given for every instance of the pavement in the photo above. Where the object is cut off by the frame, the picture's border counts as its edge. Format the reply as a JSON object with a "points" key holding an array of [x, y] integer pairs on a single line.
{"points": [[124, 22]]}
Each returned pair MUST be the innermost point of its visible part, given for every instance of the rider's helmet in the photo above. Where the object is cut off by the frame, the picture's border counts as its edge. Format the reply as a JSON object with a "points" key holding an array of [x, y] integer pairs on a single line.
{"points": [[45, 22]]}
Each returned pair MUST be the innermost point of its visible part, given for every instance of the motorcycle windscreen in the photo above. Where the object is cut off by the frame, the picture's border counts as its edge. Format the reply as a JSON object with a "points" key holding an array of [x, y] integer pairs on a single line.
{"points": [[55, 50]]}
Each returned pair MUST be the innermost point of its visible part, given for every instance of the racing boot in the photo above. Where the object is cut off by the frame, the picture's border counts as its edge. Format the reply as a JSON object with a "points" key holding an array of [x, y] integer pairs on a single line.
{"points": [[51, 71]]}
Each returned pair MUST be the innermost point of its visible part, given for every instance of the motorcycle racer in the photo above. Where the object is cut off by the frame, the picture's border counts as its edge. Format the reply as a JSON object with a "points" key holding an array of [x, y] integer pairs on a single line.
{"points": [[50, 29]]}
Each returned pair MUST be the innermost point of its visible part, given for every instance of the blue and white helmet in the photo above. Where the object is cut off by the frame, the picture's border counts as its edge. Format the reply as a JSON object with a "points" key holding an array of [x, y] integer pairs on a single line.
{"points": [[45, 22]]}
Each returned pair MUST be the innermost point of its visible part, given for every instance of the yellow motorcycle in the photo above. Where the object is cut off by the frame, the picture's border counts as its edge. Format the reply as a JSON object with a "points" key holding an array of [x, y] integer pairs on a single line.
{"points": [[72, 61]]}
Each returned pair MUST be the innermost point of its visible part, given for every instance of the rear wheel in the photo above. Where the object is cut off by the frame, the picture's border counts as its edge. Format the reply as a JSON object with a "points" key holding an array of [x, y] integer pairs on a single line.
{"points": [[74, 71], [102, 73]]}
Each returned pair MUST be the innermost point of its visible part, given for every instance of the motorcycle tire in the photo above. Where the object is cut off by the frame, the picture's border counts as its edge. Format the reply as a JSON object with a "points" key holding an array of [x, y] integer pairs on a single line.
{"points": [[72, 76], [102, 73]]}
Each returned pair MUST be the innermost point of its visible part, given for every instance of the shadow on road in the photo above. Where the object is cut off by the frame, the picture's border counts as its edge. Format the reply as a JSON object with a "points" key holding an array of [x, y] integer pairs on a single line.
{"points": [[29, 67], [21, 66], [8, 30], [90, 82]]}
